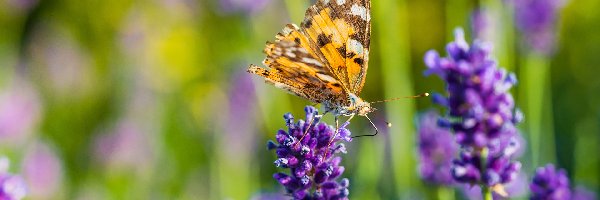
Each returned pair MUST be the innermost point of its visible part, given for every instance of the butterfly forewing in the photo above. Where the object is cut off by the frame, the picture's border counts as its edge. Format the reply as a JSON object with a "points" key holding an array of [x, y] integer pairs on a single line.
{"points": [[325, 58], [339, 31], [357, 47]]}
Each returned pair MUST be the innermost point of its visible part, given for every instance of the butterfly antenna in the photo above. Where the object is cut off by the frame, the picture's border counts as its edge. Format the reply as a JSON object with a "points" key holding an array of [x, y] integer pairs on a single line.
{"points": [[394, 99], [376, 130], [408, 97]]}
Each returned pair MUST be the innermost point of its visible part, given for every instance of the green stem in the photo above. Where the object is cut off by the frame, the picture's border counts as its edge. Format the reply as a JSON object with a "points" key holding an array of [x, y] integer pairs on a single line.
{"points": [[445, 193], [534, 73], [457, 15], [368, 171], [393, 43], [486, 191], [500, 31]]}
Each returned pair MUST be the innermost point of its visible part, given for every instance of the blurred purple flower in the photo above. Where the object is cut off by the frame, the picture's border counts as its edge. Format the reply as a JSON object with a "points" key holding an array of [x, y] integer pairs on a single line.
{"points": [[42, 170], [479, 23], [246, 6], [269, 196], [480, 111], [20, 110], [582, 193], [125, 147], [20, 5], [12, 187], [550, 184], [65, 66], [537, 19], [242, 99], [483, 24], [436, 150], [313, 167], [180, 5], [515, 189]]}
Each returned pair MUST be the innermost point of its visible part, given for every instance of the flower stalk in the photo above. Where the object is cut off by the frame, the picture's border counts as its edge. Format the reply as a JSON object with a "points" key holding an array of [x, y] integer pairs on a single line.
{"points": [[486, 191]]}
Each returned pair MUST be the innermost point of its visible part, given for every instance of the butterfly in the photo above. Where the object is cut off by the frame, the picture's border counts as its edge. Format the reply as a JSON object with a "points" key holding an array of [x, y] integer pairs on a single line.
{"points": [[325, 59]]}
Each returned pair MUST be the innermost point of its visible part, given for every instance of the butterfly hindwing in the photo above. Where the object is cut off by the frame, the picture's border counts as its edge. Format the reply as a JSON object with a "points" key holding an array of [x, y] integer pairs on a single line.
{"points": [[295, 68]]}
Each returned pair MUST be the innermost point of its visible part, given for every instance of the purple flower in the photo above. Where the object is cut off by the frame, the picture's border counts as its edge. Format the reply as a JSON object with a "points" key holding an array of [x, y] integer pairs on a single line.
{"points": [[20, 111], [481, 111], [12, 187], [242, 97], [482, 24], [42, 170], [65, 67], [515, 189], [20, 6], [436, 150], [582, 193], [268, 196], [125, 146], [246, 6], [313, 167], [550, 184], [536, 19]]}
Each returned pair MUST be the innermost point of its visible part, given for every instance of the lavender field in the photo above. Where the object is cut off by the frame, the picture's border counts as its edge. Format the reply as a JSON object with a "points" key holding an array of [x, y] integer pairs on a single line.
{"points": [[125, 99]]}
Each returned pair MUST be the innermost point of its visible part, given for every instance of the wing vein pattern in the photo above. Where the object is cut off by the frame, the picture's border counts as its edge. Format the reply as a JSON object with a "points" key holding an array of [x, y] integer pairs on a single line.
{"points": [[326, 57]]}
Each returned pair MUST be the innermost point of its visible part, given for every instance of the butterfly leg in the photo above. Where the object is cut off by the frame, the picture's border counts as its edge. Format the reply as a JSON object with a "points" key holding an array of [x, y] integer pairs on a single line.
{"points": [[337, 130], [337, 126], [376, 130], [308, 128]]}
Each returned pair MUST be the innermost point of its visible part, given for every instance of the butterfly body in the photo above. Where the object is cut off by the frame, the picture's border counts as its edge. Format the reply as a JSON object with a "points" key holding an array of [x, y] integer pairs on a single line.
{"points": [[325, 59], [353, 106]]}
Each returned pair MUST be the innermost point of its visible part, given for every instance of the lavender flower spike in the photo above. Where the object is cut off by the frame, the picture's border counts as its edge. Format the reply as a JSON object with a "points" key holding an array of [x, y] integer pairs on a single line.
{"points": [[313, 172], [549, 183], [436, 150], [481, 112], [12, 187]]}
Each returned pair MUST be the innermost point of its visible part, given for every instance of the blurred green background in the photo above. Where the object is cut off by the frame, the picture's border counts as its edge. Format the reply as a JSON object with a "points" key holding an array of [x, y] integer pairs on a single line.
{"points": [[124, 99]]}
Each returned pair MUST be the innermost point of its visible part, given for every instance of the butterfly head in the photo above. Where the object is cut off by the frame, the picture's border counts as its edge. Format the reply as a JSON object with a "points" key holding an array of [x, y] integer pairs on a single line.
{"points": [[359, 106], [364, 109]]}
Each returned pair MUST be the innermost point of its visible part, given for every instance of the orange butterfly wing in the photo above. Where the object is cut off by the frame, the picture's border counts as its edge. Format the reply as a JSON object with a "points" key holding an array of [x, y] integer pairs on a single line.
{"points": [[339, 31], [326, 58], [293, 67]]}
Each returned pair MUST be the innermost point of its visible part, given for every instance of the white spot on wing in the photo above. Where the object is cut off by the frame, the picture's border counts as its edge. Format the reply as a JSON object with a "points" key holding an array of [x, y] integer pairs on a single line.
{"points": [[281, 85], [360, 11], [312, 61], [325, 1], [340, 2], [302, 50], [326, 78], [355, 46], [277, 51], [287, 30], [290, 54]]}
